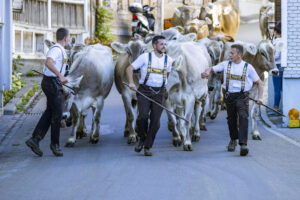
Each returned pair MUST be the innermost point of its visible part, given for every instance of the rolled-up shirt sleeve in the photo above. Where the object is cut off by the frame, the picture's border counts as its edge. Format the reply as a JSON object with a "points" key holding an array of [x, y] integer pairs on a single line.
{"points": [[220, 67], [139, 62], [253, 74]]}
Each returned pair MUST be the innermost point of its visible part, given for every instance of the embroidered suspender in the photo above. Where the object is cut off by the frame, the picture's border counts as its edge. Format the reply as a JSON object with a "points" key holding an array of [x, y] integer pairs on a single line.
{"points": [[244, 77], [228, 75], [65, 60], [236, 77], [155, 70]]}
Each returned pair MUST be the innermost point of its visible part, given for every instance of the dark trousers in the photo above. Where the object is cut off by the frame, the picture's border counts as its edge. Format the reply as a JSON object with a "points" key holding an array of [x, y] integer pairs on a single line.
{"points": [[145, 132], [53, 112], [237, 116], [277, 82]]}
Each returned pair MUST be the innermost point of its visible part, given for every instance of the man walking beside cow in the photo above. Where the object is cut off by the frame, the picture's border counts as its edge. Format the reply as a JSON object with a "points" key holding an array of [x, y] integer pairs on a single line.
{"points": [[155, 68], [54, 70], [239, 77]]}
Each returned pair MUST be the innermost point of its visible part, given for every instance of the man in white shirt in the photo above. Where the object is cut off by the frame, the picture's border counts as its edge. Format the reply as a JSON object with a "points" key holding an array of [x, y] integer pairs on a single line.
{"points": [[155, 68], [54, 70], [239, 77]]}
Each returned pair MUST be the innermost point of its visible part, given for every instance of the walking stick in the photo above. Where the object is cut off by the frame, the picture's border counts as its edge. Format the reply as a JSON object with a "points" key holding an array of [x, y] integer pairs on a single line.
{"points": [[158, 104], [74, 92], [268, 107]]}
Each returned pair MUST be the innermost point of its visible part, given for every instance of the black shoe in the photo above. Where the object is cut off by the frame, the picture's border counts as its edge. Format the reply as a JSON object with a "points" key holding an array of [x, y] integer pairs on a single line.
{"points": [[33, 143], [231, 146], [139, 146], [244, 150], [56, 150], [147, 152]]}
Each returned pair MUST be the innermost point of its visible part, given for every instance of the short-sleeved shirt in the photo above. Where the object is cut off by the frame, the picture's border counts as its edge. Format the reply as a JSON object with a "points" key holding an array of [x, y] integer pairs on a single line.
{"points": [[237, 69], [154, 80], [58, 54]]}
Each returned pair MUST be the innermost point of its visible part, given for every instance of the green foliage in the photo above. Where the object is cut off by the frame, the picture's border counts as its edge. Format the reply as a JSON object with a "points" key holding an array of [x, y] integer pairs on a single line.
{"points": [[103, 35], [26, 98], [30, 73], [16, 64], [17, 84]]}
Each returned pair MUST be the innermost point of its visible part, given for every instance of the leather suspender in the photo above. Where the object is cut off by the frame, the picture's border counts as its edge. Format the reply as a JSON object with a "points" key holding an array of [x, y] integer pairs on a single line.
{"points": [[155, 70], [235, 77]]}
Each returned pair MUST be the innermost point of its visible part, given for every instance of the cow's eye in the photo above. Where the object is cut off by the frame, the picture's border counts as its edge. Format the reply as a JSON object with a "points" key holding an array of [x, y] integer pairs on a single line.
{"points": [[174, 38]]}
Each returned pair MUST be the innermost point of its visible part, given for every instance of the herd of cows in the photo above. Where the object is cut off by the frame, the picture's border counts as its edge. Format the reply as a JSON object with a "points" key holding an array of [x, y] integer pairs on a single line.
{"points": [[93, 72]]}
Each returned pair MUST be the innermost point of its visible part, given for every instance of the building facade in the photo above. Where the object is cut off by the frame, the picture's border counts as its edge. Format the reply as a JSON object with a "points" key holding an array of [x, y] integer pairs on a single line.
{"points": [[290, 19], [37, 20]]}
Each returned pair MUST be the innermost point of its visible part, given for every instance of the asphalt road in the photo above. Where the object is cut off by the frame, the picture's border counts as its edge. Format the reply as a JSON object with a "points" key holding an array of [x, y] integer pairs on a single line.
{"points": [[112, 170]]}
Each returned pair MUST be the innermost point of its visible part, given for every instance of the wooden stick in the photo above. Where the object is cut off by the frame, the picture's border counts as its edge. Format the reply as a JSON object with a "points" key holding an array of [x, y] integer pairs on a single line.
{"points": [[159, 104]]}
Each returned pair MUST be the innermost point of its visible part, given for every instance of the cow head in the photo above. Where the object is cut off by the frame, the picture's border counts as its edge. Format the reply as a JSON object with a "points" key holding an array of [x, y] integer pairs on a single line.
{"points": [[133, 48], [184, 14], [200, 27], [68, 96], [217, 10], [265, 56]]}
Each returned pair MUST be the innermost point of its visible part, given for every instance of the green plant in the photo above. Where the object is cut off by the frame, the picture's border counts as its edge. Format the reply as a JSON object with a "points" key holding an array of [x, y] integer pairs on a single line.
{"points": [[30, 73], [16, 63], [26, 98], [17, 84], [103, 35]]}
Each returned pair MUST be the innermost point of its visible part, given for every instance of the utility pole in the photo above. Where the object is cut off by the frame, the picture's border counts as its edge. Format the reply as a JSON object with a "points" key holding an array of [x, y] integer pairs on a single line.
{"points": [[160, 16]]}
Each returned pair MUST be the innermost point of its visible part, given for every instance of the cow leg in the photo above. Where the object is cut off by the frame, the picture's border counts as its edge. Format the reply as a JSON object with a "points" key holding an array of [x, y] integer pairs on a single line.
{"points": [[94, 137], [202, 120], [196, 129], [81, 131], [185, 126], [130, 119], [216, 103], [253, 117], [176, 140], [75, 121]]}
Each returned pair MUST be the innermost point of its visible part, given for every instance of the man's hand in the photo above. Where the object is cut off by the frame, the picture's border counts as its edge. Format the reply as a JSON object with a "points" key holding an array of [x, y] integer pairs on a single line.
{"points": [[63, 80], [259, 101], [132, 86], [204, 75]]}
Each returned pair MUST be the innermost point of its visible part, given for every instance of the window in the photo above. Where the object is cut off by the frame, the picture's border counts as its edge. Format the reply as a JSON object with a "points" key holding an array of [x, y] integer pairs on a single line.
{"points": [[27, 42], [39, 43], [17, 41]]}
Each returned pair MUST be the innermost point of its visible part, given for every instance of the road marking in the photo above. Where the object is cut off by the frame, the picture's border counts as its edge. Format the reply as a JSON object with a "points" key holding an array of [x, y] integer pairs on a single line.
{"points": [[283, 137]]}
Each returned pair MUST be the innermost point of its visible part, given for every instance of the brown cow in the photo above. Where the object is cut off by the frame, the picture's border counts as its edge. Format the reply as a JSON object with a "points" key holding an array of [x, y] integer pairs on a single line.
{"points": [[225, 18], [266, 13], [200, 27]]}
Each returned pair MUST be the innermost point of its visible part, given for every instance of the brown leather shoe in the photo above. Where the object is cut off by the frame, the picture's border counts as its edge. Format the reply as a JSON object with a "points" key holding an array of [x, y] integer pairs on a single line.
{"points": [[33, 143], [56, 150], [231, 146], [147, 152]]}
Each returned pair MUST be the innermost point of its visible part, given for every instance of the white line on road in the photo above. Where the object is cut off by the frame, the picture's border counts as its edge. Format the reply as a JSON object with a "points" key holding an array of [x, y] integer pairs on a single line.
{"points": [[283, 137]]}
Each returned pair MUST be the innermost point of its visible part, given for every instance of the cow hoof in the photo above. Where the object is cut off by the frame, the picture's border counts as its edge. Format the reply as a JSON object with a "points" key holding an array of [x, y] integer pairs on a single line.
{"points": [[187, 147], [126, 133], [256, 137], [176, 142], [81, 134], [170, 127], [195, 138], [203, 128], [94, 140], [208, 114], [131, 139], [70, 144], [212, 117]]}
